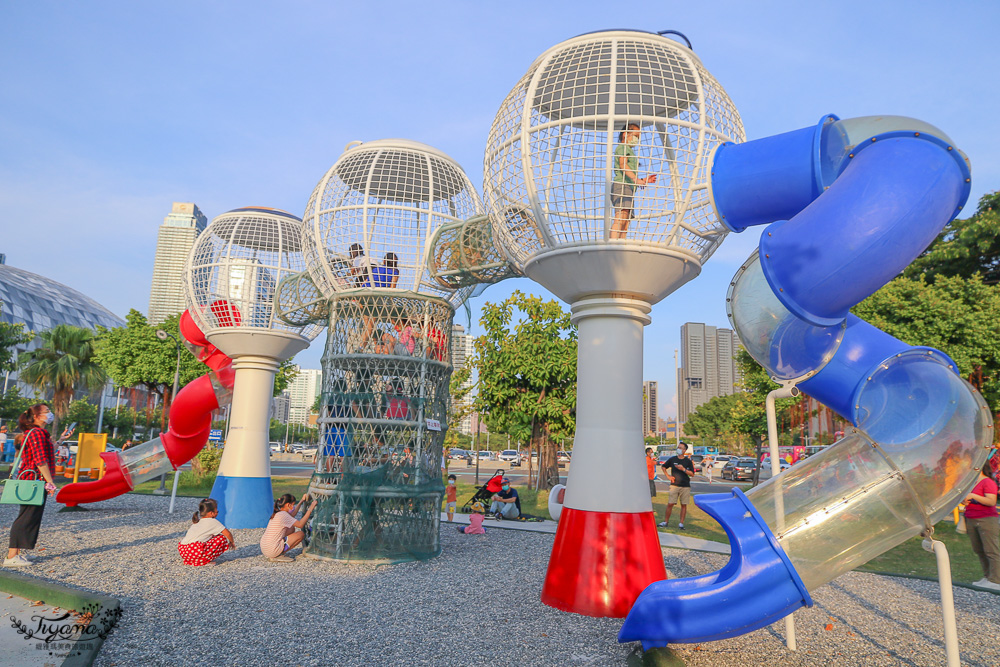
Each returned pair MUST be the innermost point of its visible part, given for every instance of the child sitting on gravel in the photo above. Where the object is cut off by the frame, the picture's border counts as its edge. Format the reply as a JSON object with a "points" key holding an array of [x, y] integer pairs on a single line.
{"points": [[207, 538], [475, 526], [282, 532]]}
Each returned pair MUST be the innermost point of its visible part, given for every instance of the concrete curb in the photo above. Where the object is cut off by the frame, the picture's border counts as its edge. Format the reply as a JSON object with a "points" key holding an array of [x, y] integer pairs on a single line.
{"points": [[33, 588]]}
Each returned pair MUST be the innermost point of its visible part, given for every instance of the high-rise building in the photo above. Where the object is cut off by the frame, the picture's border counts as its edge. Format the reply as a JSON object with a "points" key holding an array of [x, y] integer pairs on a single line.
{"points": [[650, 415], [708, 366], [280, 406], [462, 349], [177, 235], [302, 393]]}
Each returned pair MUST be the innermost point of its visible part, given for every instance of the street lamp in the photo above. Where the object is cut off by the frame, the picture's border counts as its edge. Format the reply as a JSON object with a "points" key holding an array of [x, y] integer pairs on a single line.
{"points": [[163, 335]]}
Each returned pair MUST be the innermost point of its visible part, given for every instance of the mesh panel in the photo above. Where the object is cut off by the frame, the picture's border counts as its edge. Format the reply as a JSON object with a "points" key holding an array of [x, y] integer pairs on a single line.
{"points": [[550, 169], [386, 370], [464, 255], [235, 267], [372, 216]]}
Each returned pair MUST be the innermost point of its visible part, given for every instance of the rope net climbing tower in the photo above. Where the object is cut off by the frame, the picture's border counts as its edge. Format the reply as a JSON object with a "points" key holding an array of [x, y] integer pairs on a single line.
{"points": [[369, 254]]}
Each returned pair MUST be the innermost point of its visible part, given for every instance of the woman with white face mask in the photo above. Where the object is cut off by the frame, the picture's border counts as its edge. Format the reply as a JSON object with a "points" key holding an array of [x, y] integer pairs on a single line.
{"points": [[37, 457]]}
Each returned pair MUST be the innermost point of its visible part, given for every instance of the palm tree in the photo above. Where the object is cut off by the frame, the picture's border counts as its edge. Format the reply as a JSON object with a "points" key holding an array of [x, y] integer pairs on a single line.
{"points": [[64, 360]]}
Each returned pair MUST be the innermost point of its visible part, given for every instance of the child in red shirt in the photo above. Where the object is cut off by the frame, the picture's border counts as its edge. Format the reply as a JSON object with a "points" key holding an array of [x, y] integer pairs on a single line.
{"points": [[451, 497]]}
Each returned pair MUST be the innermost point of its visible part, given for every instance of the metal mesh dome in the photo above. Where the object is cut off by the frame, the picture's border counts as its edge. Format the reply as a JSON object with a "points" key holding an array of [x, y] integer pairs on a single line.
{"points": [[550, 164], [384, 198], [235, 267]]}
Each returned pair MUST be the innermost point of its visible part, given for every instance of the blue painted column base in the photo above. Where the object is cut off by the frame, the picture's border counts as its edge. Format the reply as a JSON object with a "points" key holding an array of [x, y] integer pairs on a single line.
{"points": [[244, 502]]}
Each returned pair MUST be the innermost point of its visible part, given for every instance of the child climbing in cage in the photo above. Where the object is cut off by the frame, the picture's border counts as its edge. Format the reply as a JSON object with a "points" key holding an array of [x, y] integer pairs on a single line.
{"points": [[207, 538], [283, 532], [475, 526]]}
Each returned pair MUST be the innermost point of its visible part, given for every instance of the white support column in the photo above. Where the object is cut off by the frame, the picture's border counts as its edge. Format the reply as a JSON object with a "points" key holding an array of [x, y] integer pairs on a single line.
{"points": [[607, 548], [609, 467], [779, 498], [243, 485]]}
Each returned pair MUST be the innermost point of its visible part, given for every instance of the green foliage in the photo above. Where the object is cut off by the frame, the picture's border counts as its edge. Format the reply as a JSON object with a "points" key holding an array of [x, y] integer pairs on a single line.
{"points": [[958, 315], [133, 355], [12, 404], [749, 415], [11, 335], [84, 414], [527, 375], [206, 462], [965, 247], [287, 372], [65, 359], [712, 421]]}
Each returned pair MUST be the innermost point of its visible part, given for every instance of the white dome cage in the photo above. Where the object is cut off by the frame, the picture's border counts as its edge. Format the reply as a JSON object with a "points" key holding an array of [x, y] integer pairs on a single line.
{"points": [[386, 198], [550, 167], [232, 275]]}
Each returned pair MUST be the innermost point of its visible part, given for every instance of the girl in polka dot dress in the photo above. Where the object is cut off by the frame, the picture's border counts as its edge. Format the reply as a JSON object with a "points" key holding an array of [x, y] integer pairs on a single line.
{"points": [[207, 538]]}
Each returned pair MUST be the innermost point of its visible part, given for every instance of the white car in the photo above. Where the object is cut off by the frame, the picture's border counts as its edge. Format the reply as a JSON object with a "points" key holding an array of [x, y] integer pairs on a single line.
{"points": [[308, 452], [765, 470], [511, 456], [275, 447], [720, 462], [485, 455]]}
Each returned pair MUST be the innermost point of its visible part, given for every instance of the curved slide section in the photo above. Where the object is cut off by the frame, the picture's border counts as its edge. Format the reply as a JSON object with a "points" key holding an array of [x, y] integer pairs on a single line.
{"points": [[855, 202], [186, 435]]}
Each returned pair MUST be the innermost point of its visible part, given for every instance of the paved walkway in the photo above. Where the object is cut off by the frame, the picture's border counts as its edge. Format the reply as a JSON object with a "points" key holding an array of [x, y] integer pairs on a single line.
{"points": [[669, 540]]}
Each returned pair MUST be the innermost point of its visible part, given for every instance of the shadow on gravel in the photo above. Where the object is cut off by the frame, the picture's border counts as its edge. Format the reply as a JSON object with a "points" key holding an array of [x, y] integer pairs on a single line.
{"points": [[861, 634], [117, 546]]}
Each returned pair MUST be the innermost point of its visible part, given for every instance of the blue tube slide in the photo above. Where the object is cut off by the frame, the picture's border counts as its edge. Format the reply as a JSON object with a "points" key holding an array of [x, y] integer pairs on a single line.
{"points": [[852, 203]]}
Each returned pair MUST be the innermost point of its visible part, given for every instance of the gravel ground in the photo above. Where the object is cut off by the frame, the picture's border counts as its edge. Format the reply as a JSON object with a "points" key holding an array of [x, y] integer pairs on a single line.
{"points": [[476, 604]]}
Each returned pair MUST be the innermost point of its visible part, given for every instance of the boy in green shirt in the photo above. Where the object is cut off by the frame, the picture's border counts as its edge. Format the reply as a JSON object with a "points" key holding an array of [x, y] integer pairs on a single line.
{"points": [[626, 179]]}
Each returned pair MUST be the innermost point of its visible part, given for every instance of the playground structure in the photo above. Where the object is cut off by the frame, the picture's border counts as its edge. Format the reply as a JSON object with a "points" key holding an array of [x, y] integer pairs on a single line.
{"points": [[231, 280], [190, 422], [368, 236], [849, 203], [557, 165]]}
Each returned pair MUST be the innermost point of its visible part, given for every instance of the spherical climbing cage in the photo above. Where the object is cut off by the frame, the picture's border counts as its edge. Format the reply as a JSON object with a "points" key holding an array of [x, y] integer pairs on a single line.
{"points": [[552, 161], [386, 371]]}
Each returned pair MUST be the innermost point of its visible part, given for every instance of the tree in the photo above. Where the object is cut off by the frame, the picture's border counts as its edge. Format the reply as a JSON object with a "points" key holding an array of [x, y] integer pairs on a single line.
{"points": [[958, 315], [749, 413], [965, 247], [712, 420], [84, 414], [12, 404], [65, 359], [527, 375], [287, 372], [133, 355], [11, 335]]}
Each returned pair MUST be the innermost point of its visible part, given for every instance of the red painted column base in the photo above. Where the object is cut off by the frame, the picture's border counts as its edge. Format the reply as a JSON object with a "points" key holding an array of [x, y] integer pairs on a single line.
{"points": [[601, 561]]}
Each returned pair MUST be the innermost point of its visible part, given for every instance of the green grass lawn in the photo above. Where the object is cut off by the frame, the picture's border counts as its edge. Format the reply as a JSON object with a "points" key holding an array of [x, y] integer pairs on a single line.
{"points": [[189, 486], [910, 557]]}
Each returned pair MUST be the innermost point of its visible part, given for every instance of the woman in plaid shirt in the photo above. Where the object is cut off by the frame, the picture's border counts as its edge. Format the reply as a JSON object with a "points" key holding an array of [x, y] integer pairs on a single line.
{"points": [[39, 458]]}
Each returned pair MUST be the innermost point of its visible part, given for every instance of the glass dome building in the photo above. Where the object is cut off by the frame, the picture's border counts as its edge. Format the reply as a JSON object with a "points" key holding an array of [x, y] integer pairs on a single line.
{"points": [[41, 303]]}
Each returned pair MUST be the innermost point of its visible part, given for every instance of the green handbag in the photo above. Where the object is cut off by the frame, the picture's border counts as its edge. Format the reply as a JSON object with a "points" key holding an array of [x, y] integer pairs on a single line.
{"points": [[22, 491]]}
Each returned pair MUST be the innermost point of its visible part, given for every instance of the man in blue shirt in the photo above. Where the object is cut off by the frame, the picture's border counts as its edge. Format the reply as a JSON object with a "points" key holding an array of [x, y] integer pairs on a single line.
{"points": [[506, 504]]}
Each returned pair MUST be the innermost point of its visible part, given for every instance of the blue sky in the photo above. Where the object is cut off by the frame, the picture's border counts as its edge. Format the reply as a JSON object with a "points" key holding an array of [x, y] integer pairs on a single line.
{"points": [[110, 111]]}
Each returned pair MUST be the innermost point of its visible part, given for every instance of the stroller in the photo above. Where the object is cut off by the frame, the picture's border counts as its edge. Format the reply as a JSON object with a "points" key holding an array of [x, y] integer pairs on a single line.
{"points": [[484, 493]]}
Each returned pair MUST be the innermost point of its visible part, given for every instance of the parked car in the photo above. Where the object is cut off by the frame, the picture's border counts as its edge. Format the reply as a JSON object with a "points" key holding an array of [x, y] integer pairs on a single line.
{"points": [[511, 456], [457, 454], [563, 457], [721, 460], [275, 446], [486, 456], [308, 452], [696, 460], [765, 469], [741, 468]]}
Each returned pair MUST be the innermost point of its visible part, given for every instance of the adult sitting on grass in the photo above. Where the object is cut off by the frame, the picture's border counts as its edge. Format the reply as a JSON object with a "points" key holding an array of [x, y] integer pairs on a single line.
{"points": [[283, 532], [506, 504]]}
